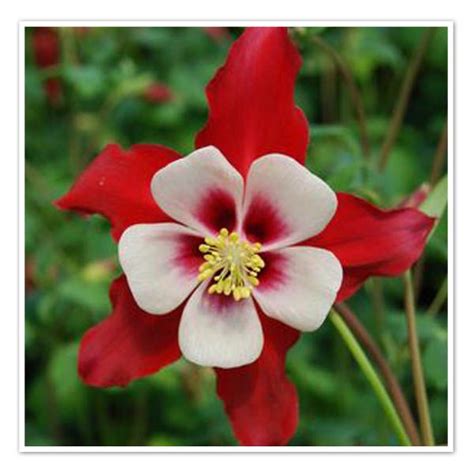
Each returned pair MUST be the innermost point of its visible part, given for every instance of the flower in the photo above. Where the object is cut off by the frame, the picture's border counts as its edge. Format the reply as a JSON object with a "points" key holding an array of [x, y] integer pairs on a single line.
{"points": [[158, 93], [46, 53], [232, 244], [292, 234]]}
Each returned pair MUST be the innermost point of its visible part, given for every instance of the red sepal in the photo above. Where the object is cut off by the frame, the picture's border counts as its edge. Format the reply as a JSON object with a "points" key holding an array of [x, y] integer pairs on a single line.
{"points": [[251, 101], [369, 241], [260, 401], [129, 344], [117, 185]]}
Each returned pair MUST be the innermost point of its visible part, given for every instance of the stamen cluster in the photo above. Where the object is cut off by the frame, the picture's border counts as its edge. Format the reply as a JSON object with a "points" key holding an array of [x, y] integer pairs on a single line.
{"points": [[232, 263]]}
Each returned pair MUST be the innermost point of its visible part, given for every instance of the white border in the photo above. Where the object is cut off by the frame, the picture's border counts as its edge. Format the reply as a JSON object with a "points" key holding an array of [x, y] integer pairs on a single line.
{"points": [[231, 449]]}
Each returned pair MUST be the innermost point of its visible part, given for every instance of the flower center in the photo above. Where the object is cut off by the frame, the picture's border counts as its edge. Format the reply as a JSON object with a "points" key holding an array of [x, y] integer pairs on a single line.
{"points": [[232, 263]]}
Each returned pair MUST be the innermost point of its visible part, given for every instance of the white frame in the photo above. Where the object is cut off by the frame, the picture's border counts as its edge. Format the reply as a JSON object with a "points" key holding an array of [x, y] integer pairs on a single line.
{"points": [[231, 449]]}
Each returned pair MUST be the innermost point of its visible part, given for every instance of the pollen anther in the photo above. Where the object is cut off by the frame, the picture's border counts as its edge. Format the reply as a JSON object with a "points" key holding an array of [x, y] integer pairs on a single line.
{"points": [[232, 263]]}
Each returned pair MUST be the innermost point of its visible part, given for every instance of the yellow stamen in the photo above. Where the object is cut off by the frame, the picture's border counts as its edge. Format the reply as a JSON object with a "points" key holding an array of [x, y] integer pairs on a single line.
{"points": [[232, 263]]}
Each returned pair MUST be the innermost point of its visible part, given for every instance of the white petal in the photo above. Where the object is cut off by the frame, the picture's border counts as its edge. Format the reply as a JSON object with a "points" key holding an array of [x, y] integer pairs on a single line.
{"points": [[303, 287], [217, 331], [161, 264], [202, 190], [294, 203]]}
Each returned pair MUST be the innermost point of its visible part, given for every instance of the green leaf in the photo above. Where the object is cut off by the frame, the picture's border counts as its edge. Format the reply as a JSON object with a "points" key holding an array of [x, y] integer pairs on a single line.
{"points": [[92, 296], [338, 133], [435, 363], [69, 391], [435, 204], [88, 81]]}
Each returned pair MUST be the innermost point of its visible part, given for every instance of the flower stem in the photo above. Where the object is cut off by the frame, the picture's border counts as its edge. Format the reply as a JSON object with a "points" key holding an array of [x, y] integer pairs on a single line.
{"points": [[371, 376], [440, 155], [378, 304], [355, 95], [417, 369], [405, 92], [439, 299], [391, 382]]}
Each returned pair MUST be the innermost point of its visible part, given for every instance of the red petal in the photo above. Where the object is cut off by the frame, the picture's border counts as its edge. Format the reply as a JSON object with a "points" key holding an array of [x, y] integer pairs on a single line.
{"points": [[370, 241], [252, 110], [261, 402], [117, 185], [128, 344]]}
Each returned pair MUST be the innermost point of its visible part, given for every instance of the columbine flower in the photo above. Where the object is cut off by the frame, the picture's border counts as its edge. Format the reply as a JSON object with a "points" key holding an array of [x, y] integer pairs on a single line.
{"points": [[234, 244], [232, 250]]}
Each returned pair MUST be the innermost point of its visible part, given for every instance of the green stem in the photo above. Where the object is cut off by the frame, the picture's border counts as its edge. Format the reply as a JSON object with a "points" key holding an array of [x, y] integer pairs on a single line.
{"points": [[390, 381], [417, 368], [439, 299], [403, 97], [371, 376], [440, 155], [355, 95], [378, 305]]}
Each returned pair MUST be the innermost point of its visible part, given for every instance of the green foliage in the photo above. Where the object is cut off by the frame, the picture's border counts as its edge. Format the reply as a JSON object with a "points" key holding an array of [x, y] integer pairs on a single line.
{"points": [[71, 261], [435, 203]]}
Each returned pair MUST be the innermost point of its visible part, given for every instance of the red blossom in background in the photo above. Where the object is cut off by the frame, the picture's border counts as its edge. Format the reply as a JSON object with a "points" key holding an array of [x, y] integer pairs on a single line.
{"points": [[252, 113], [46, 46], [46, 52], [81, 31], [217, 33], [158, 93]]}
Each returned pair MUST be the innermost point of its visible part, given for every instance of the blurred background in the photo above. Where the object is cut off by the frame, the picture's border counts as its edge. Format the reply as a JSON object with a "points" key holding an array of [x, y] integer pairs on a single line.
{"points": [[376, 99]]}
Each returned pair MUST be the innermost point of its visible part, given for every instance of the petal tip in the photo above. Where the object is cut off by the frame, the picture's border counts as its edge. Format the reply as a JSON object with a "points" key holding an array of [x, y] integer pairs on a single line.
{"points": [[245, 96]]}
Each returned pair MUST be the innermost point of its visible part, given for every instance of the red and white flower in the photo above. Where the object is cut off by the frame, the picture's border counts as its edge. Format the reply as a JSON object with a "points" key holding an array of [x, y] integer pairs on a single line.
{"points": [[234, 240], [232, 250]]}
